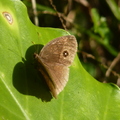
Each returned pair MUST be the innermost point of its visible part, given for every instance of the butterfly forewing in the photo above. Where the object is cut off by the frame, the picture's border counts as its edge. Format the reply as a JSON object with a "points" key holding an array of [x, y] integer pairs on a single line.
{"points": [[54, 51]]}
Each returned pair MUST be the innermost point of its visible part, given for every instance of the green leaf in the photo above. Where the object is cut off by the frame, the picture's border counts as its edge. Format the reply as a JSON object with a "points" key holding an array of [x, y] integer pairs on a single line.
{"points": [[25, 96], [102, 32], [114, 8], [40, 7]]}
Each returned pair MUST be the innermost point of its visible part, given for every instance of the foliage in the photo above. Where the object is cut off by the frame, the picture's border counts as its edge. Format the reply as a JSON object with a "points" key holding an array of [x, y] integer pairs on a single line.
{"points": [[25, 96]]}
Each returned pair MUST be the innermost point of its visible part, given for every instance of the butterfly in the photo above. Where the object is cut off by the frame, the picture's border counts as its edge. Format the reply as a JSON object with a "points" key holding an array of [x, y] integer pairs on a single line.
{"points": [[54, 60]]}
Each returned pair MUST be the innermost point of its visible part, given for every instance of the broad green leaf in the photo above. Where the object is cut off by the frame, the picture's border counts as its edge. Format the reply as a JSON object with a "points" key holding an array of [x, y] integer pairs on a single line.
{"points": [[23, 93]]}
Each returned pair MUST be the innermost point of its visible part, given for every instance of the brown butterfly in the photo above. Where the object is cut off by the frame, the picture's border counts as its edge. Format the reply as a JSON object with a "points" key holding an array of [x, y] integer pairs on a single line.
{"points": [[54, 60]]}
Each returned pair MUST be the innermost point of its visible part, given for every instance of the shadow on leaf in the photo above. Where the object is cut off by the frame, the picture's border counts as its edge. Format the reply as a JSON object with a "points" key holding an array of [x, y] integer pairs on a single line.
{"points": [[27, 80]]}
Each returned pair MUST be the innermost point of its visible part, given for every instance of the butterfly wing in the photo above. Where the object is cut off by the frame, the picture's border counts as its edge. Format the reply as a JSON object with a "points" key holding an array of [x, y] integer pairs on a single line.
{"points": [[56, 77], [60, 50]]}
